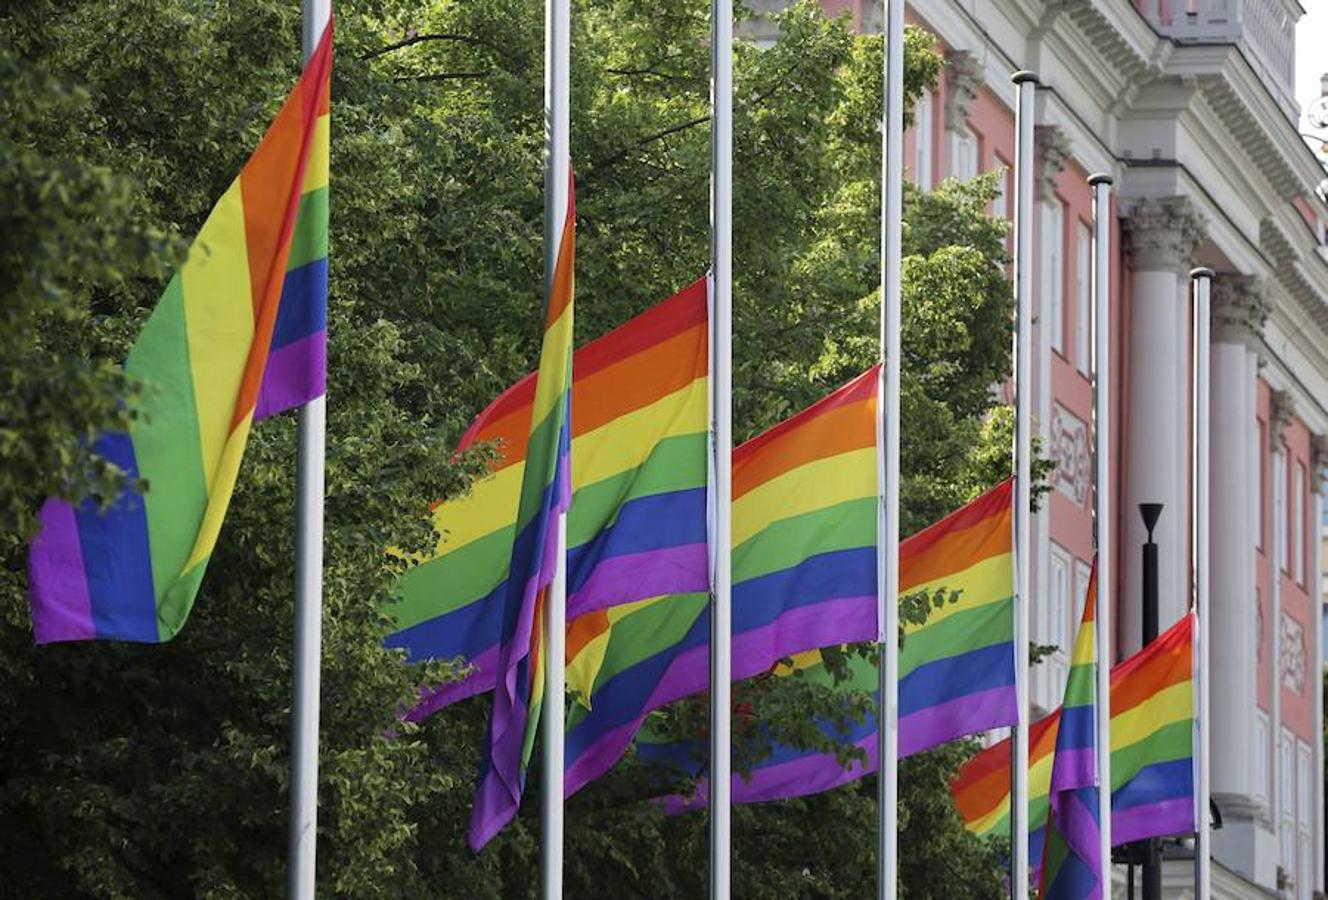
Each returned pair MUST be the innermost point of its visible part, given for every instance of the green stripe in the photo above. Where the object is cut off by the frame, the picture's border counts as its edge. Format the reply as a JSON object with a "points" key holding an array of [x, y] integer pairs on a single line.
{"points": [[1168, 743], [960, 633], [541, 463], [1079, 687], [676, 463], [309, 240], [787, 542], [449, 582], [167, 446]]}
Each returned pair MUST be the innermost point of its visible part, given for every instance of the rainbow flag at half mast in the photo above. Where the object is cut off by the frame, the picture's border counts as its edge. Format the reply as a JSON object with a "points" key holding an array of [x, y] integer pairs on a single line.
{"points": [[240, 334]]}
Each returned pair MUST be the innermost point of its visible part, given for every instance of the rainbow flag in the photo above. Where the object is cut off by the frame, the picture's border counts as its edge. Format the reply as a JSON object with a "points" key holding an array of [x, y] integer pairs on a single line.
{"points": [[967, 551], [1152, 748], [545, 494], [1072, 856], [239, 334], [637, 523], [804, 575]]}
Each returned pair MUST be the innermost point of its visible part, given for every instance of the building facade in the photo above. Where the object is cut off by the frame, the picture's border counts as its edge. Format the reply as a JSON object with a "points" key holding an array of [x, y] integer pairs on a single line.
{"points": [[1189, 106]]}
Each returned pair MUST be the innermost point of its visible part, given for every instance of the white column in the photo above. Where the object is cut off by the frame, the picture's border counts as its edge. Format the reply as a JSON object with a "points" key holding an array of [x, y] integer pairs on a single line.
{"points": [[1319, 459], [1239, 311], [1279, 416], [1160, 236]]}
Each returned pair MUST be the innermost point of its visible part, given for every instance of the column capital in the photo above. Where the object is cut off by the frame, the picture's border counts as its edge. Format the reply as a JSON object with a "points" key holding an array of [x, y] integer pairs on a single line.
{"points": [[1162, 232], [1053, 149], [1280, 410], [1318, 463], [1240, 307], [963, 77]]}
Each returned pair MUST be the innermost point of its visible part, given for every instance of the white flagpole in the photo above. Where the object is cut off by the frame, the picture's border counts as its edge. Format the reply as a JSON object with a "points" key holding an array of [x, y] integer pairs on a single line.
{"points": [[1203, 280], [308, 596], [887, 449], [557, 166], [721, 612], [1026, 83], [1101, 185]]}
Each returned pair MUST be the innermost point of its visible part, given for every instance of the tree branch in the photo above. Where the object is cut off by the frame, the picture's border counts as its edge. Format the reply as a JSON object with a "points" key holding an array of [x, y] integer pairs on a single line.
{"points": [[442, 76], [414, 39]]}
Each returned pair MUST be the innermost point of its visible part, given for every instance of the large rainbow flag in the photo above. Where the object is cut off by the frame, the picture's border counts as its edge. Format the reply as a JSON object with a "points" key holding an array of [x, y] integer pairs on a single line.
{"points": [[637, 524], [967, 551], [545, 494], [1152, 752], [804, 576], [1072, 854], [240, 334]]}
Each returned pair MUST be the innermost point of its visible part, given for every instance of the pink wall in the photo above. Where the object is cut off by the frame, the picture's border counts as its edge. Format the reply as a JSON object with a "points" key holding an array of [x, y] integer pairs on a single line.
{"points": [[1297, 712]]}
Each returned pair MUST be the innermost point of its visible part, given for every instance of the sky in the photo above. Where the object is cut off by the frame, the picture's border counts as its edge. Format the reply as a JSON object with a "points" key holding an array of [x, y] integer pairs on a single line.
{"points": [[1311, 58]]}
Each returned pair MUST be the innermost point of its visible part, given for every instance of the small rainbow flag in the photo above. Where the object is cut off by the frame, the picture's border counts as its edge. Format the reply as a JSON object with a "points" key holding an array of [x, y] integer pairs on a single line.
{"points": [[240, 334], [1152, 752], [546, 493], [1072, 856], [637, 524]]}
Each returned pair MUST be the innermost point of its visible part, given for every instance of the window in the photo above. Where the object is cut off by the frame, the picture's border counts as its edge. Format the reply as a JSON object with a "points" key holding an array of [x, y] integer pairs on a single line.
{"points": [[1083, 308], [1059, 602], [1053, 272], [963, 155], [922, 131], [1000, 207], [1263, 772], [1298, 525], [1082, 574], [1286, 777], [1280, 509]]}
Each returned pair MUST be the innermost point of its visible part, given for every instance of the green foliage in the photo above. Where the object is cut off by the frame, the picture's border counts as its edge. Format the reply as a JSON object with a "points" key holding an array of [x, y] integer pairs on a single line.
{"points": [[162, 771]]}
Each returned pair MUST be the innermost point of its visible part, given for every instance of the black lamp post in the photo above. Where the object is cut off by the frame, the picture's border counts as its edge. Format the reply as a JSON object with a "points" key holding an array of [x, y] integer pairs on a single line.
{"points": [[1152, 856]]}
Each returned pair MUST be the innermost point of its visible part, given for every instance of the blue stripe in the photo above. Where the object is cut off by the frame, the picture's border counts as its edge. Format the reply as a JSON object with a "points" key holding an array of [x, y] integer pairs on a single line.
{"points": [[117, 555], [466, 631], [303, 307], [643, 523], [1078, 728], [1160, 781], [826, 576], [948, 679], [1074, 880]]}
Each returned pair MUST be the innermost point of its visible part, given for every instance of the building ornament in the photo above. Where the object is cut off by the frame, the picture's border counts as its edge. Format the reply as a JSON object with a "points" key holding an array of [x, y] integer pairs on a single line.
{"points": [[963, 78], [1240, 308], [1280, 410], [1070, 450], [1293, 655], [1318, 463], [1162, 233], [1053, 150]]}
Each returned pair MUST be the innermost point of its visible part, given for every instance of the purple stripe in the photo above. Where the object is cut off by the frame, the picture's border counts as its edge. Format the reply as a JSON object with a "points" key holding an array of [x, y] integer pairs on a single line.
{"points": [[1074, 769], [599, 756], [61, 604], [499, 797], [1161, 819], [295, 374], [1079, 826], [482, 677], [962, 716], [682, 569]]}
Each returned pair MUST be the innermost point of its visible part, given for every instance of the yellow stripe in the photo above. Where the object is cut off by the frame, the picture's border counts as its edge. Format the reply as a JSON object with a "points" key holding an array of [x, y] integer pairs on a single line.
{"points": [[1083, 646], [490, 505], [988, 581], [316, 172], [627, 441], [623, 610], [798, 662], [219, 321], [584, 668], [221, 483], [983, 824], [816, 485], [551, 385], [1039, 785], [1175, 704]]}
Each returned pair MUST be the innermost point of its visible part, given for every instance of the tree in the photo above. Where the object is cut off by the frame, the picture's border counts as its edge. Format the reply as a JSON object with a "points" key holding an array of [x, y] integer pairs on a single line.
{"points": [[162, 771]]}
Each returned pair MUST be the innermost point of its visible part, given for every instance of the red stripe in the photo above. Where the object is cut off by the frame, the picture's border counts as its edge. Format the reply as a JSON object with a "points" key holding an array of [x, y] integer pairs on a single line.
{"points": [[861, 388], [995, 502]]}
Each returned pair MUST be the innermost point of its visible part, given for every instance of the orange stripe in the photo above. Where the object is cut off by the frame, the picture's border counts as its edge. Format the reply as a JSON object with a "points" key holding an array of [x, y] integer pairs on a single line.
{"points": [[836, 430], [858, 389], [560, 291], [585, 629], [683, 311], [993, 503], [955, 552], [984, 781], [1167, 661], [638, 381]]}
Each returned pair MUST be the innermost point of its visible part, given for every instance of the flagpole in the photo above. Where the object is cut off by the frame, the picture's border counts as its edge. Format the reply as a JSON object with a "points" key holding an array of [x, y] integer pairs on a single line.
{"points": [[557, 178], [887, 443], [309, 478], [1203, 280], [1026, 86], [721, 252], [1106, 576]]}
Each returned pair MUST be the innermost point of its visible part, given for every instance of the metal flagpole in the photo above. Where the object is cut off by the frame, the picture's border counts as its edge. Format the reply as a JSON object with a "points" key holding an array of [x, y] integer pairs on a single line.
{"points": [[1026, 86], [721, 260], [1102, 495], [557, 168], [308, 595], [1203, 280], [887, 449]]}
